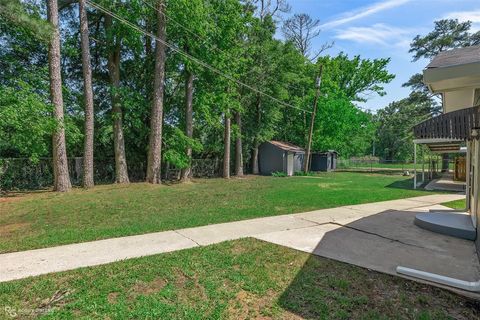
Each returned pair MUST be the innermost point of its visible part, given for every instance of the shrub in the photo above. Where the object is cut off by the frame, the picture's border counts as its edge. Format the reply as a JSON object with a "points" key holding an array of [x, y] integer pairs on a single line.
{"points": [[304, 174], [279, 174]]}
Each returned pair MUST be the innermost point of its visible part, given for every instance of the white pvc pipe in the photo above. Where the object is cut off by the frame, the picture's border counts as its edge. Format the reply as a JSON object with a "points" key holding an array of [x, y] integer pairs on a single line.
{"points": [[451, 282]]}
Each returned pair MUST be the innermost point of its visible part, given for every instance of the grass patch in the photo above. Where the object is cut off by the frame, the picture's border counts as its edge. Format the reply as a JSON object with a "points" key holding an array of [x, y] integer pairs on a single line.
{"points": [[44, 219], [243, 279], [456, 204]]}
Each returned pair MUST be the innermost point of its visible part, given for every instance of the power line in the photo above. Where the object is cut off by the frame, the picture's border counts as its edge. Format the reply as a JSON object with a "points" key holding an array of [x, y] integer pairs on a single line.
{"points": [[204, 40], [188, 56]]}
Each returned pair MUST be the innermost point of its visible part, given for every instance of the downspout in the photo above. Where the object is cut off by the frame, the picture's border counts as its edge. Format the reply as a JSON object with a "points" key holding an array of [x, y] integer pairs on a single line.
{"points": [[451, 282]]}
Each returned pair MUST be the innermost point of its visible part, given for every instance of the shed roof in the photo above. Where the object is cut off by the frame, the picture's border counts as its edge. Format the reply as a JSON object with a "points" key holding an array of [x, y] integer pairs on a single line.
{"points": [[286, 146], [456, 57], [325, 152]]}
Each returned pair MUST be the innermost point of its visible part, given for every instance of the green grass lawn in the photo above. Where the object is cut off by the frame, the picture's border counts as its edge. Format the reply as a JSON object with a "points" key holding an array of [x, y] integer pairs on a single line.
{"points": [[243, 279], [457, 204], [43, 219]]}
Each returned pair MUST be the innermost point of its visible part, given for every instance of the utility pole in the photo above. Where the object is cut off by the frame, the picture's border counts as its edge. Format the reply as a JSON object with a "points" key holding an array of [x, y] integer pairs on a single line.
{"points": [[318, 82]]}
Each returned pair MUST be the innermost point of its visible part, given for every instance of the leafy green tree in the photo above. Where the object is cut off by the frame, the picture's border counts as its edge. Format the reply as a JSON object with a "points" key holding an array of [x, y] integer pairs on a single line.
{"points": [[395, 122], [25, 122], [447, 34]]}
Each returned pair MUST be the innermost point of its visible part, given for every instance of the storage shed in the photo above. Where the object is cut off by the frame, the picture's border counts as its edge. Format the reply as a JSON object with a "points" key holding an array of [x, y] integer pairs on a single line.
{"points": [[279, 156], [324, 161]]}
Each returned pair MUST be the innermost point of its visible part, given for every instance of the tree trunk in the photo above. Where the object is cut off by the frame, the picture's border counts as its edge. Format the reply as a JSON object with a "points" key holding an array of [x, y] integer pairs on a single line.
{"points": [[88, 96], [114, 57], [188, 120], [148, 39], [60, 163], [238, 146], [226, 144], [155, 141], [255, 169]]}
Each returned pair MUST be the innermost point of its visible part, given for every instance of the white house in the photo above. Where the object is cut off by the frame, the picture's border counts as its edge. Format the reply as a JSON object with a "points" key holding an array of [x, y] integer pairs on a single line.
{"points": [[455, 75]]}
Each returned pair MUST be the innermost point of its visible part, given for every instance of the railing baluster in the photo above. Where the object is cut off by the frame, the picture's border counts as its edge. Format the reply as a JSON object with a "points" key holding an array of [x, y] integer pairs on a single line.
{"points": [[453, 125]]}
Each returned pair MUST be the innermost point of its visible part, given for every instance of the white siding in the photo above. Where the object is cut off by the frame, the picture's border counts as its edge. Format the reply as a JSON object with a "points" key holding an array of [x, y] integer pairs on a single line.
{"points": [[458, 99]]}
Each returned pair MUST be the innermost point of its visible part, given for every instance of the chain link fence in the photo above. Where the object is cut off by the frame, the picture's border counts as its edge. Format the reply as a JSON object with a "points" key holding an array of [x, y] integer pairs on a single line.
{"points": [[376, 165], [23, 174]]}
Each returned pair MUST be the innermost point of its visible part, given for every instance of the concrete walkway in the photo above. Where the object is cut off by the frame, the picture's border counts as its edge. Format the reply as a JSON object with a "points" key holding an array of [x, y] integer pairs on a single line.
{"points": [[377, 236], [446, 183]]}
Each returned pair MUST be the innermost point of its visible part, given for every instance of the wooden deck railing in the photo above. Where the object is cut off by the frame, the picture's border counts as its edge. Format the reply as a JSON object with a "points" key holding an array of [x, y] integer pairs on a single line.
{"points": [[452, 125]]}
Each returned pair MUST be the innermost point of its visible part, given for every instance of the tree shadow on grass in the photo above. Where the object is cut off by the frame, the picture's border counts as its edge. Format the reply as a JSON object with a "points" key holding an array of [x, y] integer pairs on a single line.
{"points": [[325, 288]]}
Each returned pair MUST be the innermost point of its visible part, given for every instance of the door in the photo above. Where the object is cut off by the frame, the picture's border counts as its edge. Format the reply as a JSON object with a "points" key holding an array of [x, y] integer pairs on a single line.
{"points": [[290, 164]]}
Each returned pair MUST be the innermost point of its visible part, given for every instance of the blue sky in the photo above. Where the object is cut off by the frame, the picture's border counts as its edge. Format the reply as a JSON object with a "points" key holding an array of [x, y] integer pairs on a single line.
{"points": [[383, 28]]}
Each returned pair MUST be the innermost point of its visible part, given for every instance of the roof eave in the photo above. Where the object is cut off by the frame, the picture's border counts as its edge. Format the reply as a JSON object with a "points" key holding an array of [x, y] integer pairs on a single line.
{"points": [[432, 76]]}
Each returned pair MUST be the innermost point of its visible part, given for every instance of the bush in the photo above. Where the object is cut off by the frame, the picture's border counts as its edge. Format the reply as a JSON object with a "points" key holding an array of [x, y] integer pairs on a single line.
{"points": [[304, 174], [279, 174]]}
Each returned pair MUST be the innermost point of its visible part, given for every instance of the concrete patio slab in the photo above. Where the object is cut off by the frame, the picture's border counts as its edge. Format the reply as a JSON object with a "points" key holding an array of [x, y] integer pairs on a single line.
{"points": [[358, 243], [23, 264], [455, 224], [377, 253], [446, 183]]}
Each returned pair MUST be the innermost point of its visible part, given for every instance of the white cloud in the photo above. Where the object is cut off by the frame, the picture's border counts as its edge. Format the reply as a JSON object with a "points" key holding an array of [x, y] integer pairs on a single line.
{"points": [[379, 33], [473, 16], [363, 12]]}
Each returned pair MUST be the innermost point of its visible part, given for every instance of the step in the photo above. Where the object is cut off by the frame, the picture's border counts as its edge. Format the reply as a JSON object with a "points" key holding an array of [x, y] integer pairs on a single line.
{"points": [[452, 224]]}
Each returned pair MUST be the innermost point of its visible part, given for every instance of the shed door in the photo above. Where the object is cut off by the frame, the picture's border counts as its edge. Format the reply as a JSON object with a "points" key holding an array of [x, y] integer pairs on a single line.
{"points": [[290, 164]]}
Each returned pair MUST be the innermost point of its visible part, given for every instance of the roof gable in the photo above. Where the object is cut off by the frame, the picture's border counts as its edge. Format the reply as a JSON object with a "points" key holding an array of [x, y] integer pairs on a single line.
{"points": [[456, 57], [286, 146]]}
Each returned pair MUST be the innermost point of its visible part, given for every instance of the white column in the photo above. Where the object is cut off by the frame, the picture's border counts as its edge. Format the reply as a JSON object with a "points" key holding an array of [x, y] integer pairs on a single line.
{"points": [[423, 165], [415, 166], [476, 180], [467, 174]]}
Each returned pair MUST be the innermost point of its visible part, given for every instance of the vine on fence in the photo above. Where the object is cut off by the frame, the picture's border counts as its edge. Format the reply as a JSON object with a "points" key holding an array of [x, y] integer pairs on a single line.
{"points": [[24, 174]]}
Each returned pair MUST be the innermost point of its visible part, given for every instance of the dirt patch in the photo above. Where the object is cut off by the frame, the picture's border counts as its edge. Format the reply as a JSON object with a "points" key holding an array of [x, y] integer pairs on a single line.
{"points": [[112, 297], [11, 228], [57, 300], [147, 288], [238, 249], [189, 288], [9, 199], [326, 185], [247, 305]]}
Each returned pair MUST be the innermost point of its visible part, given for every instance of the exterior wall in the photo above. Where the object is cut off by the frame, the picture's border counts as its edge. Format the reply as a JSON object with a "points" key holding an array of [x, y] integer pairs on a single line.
{"points": [[320, 162], [458, 99], [271, 159], [475, 207], [324, 162], [298, 162]]}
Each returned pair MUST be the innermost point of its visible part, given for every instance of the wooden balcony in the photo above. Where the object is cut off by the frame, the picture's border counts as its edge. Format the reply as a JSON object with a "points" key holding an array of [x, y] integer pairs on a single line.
{"points": [[456, 125]]}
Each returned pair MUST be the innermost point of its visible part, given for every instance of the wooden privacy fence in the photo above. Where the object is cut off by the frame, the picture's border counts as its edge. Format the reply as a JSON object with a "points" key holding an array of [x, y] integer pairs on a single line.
{"points": [[460, 169]]}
